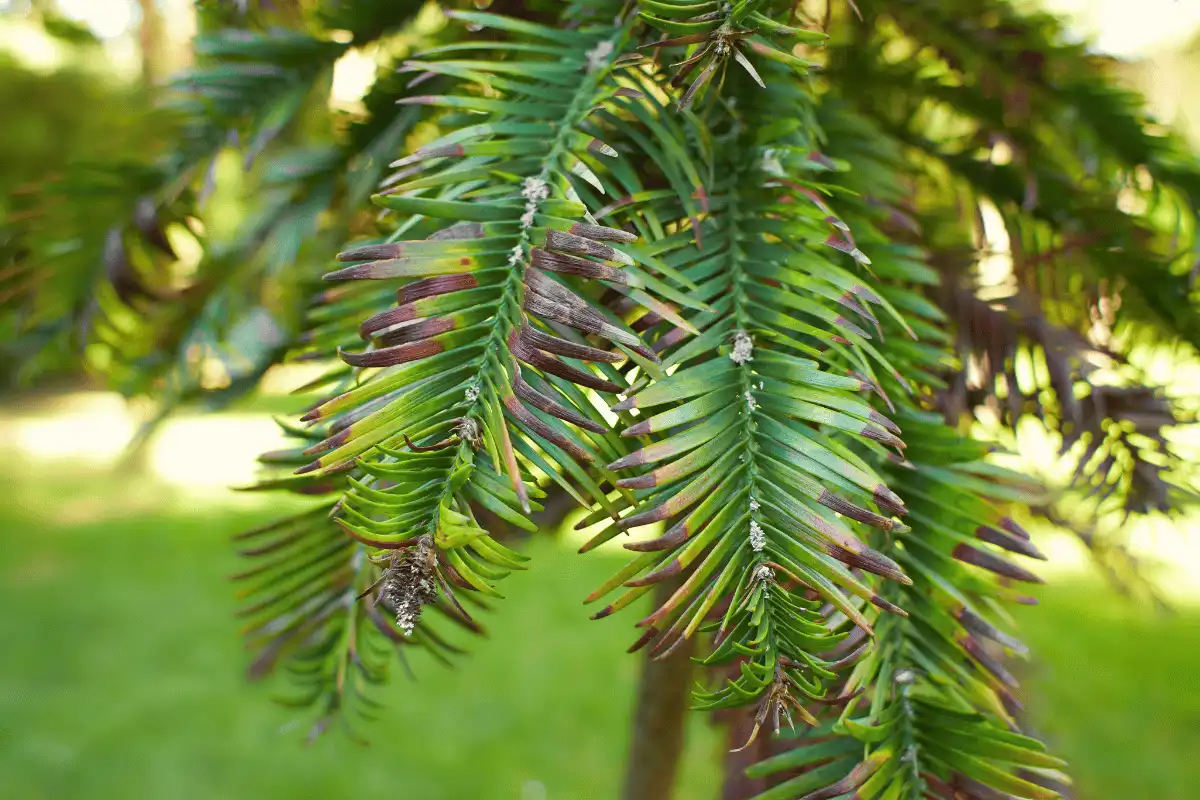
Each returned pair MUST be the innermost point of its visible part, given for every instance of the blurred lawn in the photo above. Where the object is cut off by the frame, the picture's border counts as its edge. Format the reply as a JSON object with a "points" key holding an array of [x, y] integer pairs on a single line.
{"points": [[1116, 691], [120, 676]]}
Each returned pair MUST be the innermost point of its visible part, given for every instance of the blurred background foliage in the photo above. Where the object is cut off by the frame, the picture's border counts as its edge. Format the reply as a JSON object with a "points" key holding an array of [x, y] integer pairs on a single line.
{"points": [[131, 697]]}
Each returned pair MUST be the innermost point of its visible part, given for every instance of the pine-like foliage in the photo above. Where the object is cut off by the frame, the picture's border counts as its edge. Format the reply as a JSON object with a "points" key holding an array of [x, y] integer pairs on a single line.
{"points": [[709, 269]]}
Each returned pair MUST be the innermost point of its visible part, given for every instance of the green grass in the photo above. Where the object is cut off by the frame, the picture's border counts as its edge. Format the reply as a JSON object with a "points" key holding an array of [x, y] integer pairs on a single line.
{"points": [[1115, 690], [120, 676]]}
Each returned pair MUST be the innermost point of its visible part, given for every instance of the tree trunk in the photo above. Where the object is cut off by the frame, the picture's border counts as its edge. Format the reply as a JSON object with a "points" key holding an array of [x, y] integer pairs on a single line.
{"points": [[150, 40], [739, 723], [658, 723]]}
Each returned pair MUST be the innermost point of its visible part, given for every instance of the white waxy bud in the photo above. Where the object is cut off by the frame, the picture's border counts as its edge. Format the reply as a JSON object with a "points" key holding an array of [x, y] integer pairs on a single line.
{"points": [[598, 55], [743, 348], [535, 189], [758, 538]]}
